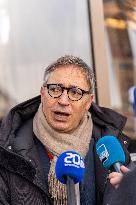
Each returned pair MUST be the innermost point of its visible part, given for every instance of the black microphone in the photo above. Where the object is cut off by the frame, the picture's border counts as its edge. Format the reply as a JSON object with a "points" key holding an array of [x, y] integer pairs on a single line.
{"points": [[70, 170]]}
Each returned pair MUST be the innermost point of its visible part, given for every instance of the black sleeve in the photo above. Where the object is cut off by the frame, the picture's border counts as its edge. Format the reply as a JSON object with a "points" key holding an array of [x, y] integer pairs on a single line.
{"points": [[4, 187], [126, 193]]}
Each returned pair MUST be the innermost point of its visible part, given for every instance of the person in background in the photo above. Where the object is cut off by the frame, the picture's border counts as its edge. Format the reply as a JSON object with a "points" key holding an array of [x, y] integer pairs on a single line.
{"points": [[63, 117], [126, 192]]}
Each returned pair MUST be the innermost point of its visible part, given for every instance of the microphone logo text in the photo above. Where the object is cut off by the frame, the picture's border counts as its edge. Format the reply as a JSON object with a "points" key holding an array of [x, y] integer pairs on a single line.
{"points": [[74, 160], [103, 153]]}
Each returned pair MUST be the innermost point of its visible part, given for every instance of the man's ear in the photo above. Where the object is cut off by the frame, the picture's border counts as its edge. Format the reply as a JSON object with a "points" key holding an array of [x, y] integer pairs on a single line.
{"points": [[42, 91], [89, 102]]}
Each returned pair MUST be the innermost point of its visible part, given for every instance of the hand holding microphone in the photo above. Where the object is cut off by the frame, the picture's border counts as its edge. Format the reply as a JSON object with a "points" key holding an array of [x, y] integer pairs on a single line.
{"points": [[116, 178], [112, 155]]}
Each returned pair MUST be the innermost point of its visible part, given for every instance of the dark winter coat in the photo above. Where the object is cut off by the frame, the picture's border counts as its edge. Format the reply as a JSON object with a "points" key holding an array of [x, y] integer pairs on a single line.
{"points": [[21, 173], [126, 193]]}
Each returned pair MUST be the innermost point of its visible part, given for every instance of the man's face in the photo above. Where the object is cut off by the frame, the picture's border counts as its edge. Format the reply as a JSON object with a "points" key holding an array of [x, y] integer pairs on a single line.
{"points": [[63, 114]]}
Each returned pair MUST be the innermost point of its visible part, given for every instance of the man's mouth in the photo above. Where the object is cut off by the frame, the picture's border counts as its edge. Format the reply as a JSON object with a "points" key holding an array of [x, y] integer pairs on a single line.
{"points": [[61, 116], [62, 113]]}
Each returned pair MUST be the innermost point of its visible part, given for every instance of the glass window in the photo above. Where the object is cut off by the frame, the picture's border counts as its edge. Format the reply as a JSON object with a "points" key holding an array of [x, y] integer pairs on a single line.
{"points": [[120, 28], [34, 33]]}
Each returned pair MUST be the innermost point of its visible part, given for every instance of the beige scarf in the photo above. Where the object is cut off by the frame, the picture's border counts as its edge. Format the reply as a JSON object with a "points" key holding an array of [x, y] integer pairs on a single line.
{"points": [[57, 143]]}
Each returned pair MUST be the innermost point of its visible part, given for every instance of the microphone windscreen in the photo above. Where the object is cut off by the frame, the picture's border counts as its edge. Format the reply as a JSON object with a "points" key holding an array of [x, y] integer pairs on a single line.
{"points": [[110, 151], [70, 163]]}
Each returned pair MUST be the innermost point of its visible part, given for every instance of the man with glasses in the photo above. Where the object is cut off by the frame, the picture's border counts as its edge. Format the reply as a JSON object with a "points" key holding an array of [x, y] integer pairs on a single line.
{"points": [[64, 117]]}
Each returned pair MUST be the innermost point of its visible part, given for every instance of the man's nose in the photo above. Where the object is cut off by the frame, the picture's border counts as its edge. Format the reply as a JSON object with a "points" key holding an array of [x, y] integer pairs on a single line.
{"points": [[63, 99]]}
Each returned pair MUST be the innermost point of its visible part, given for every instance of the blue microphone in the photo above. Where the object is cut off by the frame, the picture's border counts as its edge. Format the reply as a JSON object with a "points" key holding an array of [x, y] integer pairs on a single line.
{"points": [[110, 152], [135, 101], [70, 163], [70, 170], [135, 109]]}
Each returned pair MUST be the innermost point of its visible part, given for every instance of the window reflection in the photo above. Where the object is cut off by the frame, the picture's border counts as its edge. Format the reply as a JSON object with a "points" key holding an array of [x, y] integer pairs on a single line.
{"points": [[4, 26], [34, 33], [120, 27]]}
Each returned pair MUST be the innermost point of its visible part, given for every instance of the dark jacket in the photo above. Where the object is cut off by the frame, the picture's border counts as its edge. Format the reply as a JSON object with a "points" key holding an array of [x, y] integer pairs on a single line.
{"points": [[21, 172], [126, 193]]}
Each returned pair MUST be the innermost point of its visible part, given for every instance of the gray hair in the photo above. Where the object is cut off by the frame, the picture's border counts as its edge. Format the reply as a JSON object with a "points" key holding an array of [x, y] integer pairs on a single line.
{"points": [[71, 60]]}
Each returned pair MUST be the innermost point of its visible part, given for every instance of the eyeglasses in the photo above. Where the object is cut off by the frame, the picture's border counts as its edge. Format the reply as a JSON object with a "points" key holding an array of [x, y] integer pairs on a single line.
{"points": [[74, 93]]}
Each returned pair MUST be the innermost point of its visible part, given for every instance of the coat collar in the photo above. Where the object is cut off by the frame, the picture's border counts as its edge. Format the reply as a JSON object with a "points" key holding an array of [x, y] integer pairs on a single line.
{"points": [[106, 116]]}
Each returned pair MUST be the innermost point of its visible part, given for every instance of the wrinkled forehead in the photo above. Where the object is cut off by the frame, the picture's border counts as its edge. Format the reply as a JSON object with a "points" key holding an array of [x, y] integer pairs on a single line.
{"points": [[71, 73], [74, 75]]}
